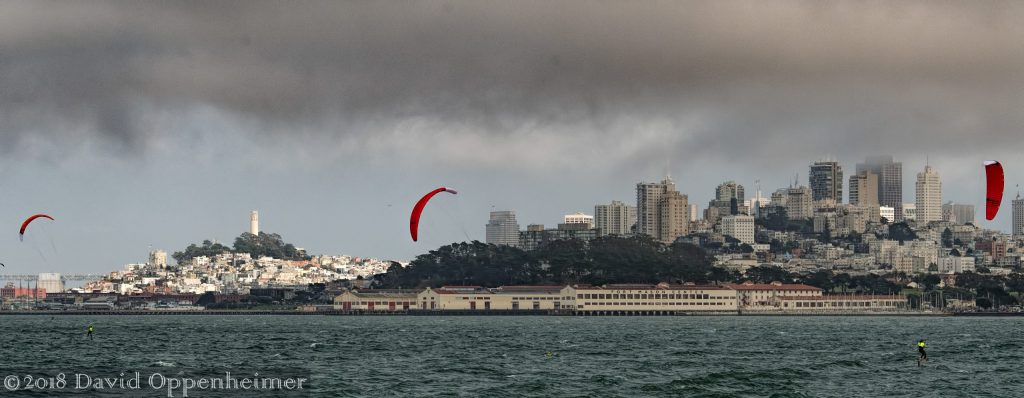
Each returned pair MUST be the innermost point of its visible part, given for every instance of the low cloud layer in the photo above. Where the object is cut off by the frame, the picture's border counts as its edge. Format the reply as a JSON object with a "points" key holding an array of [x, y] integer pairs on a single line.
{"points": [[539, 80]]}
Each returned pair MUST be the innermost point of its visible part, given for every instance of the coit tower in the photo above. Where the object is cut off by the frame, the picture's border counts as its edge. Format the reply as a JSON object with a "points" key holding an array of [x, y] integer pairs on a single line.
{"points": [[254, 223]]}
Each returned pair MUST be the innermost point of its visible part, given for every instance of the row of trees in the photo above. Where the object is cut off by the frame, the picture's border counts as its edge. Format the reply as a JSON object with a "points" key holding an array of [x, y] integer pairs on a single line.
{"points": [[601, 261]]}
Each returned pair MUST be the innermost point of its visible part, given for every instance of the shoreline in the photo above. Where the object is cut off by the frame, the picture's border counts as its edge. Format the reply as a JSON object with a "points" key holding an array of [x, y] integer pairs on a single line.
{"points": [[494, 313]]}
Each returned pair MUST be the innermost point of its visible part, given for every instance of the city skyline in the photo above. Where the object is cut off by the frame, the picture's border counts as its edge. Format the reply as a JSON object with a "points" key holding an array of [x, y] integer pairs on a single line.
{"points": [[159, 125]]}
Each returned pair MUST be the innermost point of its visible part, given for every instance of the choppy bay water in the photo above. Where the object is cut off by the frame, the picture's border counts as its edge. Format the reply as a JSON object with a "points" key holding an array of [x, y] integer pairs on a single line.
{"points": [[502, 356]]}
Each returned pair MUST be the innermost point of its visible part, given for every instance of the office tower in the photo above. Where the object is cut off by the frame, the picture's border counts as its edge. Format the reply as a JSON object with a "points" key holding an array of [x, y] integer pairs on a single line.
{"points": [[729, 190], [502, 228], [615, 219], [890, 181], [864, 189], [826, 180], [929, 196]]}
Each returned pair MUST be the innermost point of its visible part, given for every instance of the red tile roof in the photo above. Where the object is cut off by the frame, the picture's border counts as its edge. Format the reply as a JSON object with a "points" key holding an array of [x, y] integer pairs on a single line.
{"points": [[770, 286]]}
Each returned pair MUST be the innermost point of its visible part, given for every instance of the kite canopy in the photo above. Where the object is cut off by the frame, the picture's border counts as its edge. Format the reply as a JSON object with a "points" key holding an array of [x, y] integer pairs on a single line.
{"points": [[414, 219], [994, 190], [21, 232]]}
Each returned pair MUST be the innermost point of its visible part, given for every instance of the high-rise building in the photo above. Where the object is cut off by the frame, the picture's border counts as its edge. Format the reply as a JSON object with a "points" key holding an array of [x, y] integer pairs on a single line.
{"points": [[826, 180], [799, 203], [579, 218], [864, 189], [674, 209], [158, 259], [502, 228], [958, 213], [50, 281], [729, 190], [929, 196], [615, 219], [648, 201], [890, 181], [740, 227], [693, 212], [254, 223], [1018, 218]]}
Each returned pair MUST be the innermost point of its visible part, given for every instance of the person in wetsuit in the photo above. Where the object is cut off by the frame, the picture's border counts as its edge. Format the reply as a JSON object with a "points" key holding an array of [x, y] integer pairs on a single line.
{"points": [[920, 349], [88, 332]]}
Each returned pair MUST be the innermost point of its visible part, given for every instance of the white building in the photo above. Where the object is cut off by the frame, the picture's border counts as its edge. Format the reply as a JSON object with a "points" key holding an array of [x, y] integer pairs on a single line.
{"points": [[740, 227], [50, 281], [929, 196], [909, 211], [579, 218], [254, 223], [887, 212]]}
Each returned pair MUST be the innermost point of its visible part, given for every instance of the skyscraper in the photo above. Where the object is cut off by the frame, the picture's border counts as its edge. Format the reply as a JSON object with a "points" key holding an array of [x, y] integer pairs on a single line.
{"points": [[729, 190], [864, 189], [648, 198], [929, 196], [502, 228], [254, 223], [826, 180], [728, 200], [890, 181], [662, 212], [1018, 217], [616, 218]]}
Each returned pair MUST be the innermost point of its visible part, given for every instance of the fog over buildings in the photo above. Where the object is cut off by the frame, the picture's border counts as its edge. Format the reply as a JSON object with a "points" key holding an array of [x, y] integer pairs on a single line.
{"points": [[139, 124]]}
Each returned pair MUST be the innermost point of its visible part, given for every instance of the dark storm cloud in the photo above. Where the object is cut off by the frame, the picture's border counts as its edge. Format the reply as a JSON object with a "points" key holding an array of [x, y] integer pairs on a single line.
{"points": [[489, 81]]}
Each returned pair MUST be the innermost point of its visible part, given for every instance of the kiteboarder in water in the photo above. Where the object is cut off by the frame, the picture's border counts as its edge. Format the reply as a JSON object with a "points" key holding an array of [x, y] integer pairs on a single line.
{"points": [[924, 355], [88, 332]]}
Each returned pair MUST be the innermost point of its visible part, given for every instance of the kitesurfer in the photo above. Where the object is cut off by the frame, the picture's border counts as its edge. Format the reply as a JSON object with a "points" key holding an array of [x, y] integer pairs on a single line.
{"points": [[920, 349], [88, 332]]}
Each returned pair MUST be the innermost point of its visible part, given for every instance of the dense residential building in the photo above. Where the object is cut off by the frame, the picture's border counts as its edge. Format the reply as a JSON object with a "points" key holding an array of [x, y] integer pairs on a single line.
{"points": [[890, 181], [929, 196], [740, 227], [662, 212], [616, 219], [910, 211], [864, 189], [648, 201], [536, 235], [729, 199], [674, 209], [799, 203], [958, 213], [579, 218], [502, 228], [826, 181]]}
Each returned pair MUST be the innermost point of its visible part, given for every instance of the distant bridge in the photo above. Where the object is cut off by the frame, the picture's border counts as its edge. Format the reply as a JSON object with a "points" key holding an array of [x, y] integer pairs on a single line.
{"points": [[66, 277]]}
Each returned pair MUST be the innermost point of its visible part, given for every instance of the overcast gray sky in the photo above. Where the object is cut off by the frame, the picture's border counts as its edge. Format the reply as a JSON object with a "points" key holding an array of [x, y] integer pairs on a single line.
{"points": [[164, 123]]}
